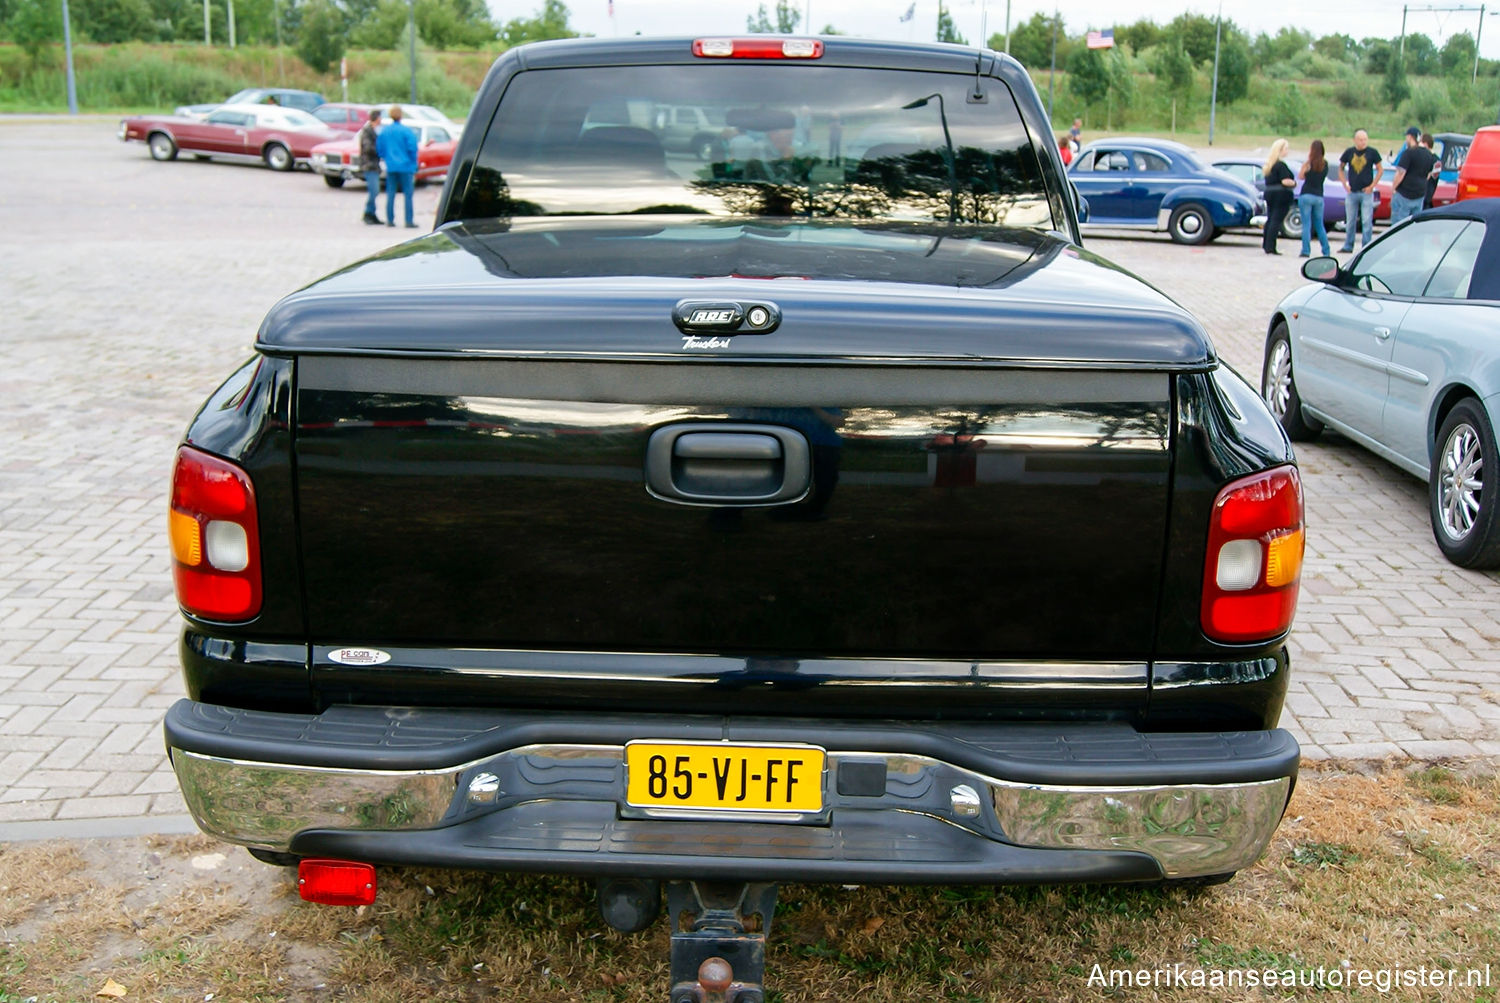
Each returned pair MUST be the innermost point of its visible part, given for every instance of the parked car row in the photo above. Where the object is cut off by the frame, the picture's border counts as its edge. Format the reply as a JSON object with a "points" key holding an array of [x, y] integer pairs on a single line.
{"points": [[284, 137]]}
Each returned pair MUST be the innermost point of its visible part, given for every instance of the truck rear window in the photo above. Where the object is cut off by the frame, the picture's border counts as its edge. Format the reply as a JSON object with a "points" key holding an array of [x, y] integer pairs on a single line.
{"points": [[758, 140]]}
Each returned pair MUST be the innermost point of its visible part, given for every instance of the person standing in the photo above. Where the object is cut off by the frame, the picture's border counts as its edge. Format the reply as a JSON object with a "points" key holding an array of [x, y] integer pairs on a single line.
{"points": [[1435, 174], [1359, 170], [1313, 172], [1413, 164], [397, 146], [1279, 184], [369, 164], [1075, 135]]}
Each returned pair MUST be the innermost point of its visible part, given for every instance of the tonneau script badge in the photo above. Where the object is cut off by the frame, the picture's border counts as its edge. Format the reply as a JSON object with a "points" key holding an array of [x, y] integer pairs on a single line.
{"points": [[720, 319]]}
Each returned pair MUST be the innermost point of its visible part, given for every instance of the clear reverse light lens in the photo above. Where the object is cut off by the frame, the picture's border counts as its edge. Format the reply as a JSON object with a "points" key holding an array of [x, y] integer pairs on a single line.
{"points": [[226, 546], [1239, 565]]}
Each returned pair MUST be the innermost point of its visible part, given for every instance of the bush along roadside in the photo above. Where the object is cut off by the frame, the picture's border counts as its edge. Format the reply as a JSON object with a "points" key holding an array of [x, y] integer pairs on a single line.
{"points": [[141, 77]]}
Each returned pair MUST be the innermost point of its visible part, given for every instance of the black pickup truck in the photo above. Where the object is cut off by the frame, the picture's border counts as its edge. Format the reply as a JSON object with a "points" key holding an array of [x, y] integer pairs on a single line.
{"points": [[819, 511]]}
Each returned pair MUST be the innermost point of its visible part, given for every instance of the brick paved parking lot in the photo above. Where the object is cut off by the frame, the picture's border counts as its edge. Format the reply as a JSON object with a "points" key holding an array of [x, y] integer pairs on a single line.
{"points": [[130, 288]]}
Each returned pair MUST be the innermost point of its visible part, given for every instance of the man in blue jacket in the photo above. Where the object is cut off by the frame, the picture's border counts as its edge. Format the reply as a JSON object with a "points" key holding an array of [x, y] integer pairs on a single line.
{"points": [[397, 146]]}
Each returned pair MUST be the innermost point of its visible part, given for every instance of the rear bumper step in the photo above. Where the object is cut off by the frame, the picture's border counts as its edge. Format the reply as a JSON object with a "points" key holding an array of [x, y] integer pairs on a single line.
{"points": [[929, 802]]}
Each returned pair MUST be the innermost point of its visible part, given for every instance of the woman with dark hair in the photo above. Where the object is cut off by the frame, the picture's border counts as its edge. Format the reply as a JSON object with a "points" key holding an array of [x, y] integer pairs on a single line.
{"points": [[1279, 184], [1313, 172]]}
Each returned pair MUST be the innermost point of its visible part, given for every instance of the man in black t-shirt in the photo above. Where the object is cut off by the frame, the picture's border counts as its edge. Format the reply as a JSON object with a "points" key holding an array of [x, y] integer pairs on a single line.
{"points": [[1413, 165], [1359, 170]]}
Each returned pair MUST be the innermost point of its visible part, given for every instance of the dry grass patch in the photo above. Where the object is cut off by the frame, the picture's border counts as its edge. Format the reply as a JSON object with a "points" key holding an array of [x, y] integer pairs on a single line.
{"points": [[1397, 868]]}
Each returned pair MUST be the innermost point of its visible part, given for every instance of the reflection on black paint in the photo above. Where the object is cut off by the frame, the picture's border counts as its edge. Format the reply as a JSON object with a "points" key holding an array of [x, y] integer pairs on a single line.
{"points": [[526, 524]]}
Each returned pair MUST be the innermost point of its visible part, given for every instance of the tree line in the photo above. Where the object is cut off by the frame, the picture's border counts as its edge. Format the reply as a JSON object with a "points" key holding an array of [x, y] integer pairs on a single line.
{"points": [[319, 30], [1177, 52]]}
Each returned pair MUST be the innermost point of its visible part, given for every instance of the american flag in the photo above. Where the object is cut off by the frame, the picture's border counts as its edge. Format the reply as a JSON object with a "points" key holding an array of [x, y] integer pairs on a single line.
{"points": [[911, 12], [1101, 39]]}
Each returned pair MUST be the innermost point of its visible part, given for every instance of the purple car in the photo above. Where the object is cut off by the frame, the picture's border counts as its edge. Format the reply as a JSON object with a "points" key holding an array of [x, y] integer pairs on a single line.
{"points": [[1249, 169]]}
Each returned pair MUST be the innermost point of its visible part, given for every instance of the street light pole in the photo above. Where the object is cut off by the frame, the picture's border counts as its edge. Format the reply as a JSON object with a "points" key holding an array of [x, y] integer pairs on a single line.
{"points": [[1474, 79], [68, 52], [280, 62], [207, 39], [411, 31], [231, 24], [1213, 101], [1052, 75], [952, 155]]}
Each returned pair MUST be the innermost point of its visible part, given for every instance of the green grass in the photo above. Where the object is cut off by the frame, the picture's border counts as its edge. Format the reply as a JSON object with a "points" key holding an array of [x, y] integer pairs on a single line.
{"points": [[1322, 855]]}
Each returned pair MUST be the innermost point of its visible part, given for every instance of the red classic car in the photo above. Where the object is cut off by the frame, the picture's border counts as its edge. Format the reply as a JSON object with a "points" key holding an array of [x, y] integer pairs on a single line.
{"points": [[281, 137], [342, 116], [338, 160]]}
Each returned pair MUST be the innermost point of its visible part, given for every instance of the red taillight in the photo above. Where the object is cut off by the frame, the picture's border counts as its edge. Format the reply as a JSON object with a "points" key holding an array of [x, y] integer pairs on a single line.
{"points": [[215, 540], [1253, 566], [336, 882], [758, 48]]}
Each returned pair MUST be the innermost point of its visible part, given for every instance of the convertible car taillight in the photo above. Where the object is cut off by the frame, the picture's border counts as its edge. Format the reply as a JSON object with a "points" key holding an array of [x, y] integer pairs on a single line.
{"points": [[215, 542], [1254, 562]]}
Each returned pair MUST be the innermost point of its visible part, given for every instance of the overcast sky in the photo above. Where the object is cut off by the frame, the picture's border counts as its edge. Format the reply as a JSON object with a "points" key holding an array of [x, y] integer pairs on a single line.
{"points": [[881, 18]]}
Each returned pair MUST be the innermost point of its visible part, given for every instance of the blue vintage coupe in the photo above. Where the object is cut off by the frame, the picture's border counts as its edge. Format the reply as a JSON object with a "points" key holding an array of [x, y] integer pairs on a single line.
{"points": [[1155, 184], [1397, 350]]}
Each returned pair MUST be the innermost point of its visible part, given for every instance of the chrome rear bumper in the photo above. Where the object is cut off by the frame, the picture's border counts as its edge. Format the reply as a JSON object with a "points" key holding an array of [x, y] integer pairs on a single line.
{"points": [[560, 806]]}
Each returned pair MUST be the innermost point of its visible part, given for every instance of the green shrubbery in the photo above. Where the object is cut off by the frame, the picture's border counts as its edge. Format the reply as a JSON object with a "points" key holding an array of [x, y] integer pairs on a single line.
{"points": [[137, 76], [393, 83]]}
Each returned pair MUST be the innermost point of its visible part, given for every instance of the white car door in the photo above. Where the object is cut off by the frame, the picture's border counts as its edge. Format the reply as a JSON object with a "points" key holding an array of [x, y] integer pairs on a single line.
{"points": [[1435, 345]]}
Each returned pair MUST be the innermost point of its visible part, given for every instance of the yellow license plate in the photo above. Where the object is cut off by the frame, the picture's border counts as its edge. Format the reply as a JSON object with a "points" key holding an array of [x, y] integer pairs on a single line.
{"points": [[720, 777]]}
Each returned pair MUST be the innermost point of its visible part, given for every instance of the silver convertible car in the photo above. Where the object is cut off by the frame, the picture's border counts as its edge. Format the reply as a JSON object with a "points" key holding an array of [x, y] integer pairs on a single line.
{"points": [[1400, 350]]}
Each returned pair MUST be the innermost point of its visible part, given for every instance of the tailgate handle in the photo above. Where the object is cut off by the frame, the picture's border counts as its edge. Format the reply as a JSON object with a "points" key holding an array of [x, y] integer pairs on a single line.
{"points": [[713, 463], [727, 446]]}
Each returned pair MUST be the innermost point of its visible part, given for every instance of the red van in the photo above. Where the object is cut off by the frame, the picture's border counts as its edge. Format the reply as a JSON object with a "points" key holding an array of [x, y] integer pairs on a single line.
{"points": [[1480, 175]]}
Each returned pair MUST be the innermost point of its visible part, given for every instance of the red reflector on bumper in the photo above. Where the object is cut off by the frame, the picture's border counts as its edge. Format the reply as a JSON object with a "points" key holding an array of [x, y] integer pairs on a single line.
{"points": [[336, 882]]}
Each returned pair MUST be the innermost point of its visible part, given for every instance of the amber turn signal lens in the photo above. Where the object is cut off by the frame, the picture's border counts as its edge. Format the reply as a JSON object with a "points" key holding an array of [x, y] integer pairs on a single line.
{"points": [[187, 538], [1284, 559]]}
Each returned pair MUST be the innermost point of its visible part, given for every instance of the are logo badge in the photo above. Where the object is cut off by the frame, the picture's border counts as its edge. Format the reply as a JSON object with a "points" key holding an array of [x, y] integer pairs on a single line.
{"points": [[719, 317]]}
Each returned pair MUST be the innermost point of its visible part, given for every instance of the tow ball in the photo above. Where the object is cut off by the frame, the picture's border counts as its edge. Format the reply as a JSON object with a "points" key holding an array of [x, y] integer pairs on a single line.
{"points": [[718, 928]]}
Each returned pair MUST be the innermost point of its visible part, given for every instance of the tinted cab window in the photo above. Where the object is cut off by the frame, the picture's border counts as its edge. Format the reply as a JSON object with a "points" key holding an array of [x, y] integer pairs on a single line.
{"points": [[907, 146]]}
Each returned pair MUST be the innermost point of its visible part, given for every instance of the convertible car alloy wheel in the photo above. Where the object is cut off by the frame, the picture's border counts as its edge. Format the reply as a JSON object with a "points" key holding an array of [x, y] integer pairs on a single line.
{"points": [[1278, 388], [1465, 515], [1460, 481]]}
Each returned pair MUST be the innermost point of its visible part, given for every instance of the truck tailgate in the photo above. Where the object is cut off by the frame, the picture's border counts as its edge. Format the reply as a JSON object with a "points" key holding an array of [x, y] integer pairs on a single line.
{"points": [[956, 512]]}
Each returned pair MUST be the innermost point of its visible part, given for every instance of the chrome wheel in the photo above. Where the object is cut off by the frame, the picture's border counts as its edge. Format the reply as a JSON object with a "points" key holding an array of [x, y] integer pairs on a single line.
{"points": [[1278, 384], [1278, 388], [161, 146], [1460, 482], [1190, 224], [1291, 226], [278, 157]]}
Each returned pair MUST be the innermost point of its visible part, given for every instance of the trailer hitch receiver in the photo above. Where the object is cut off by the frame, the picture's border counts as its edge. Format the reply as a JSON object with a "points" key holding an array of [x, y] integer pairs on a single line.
{"points": [[719, 934]]}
